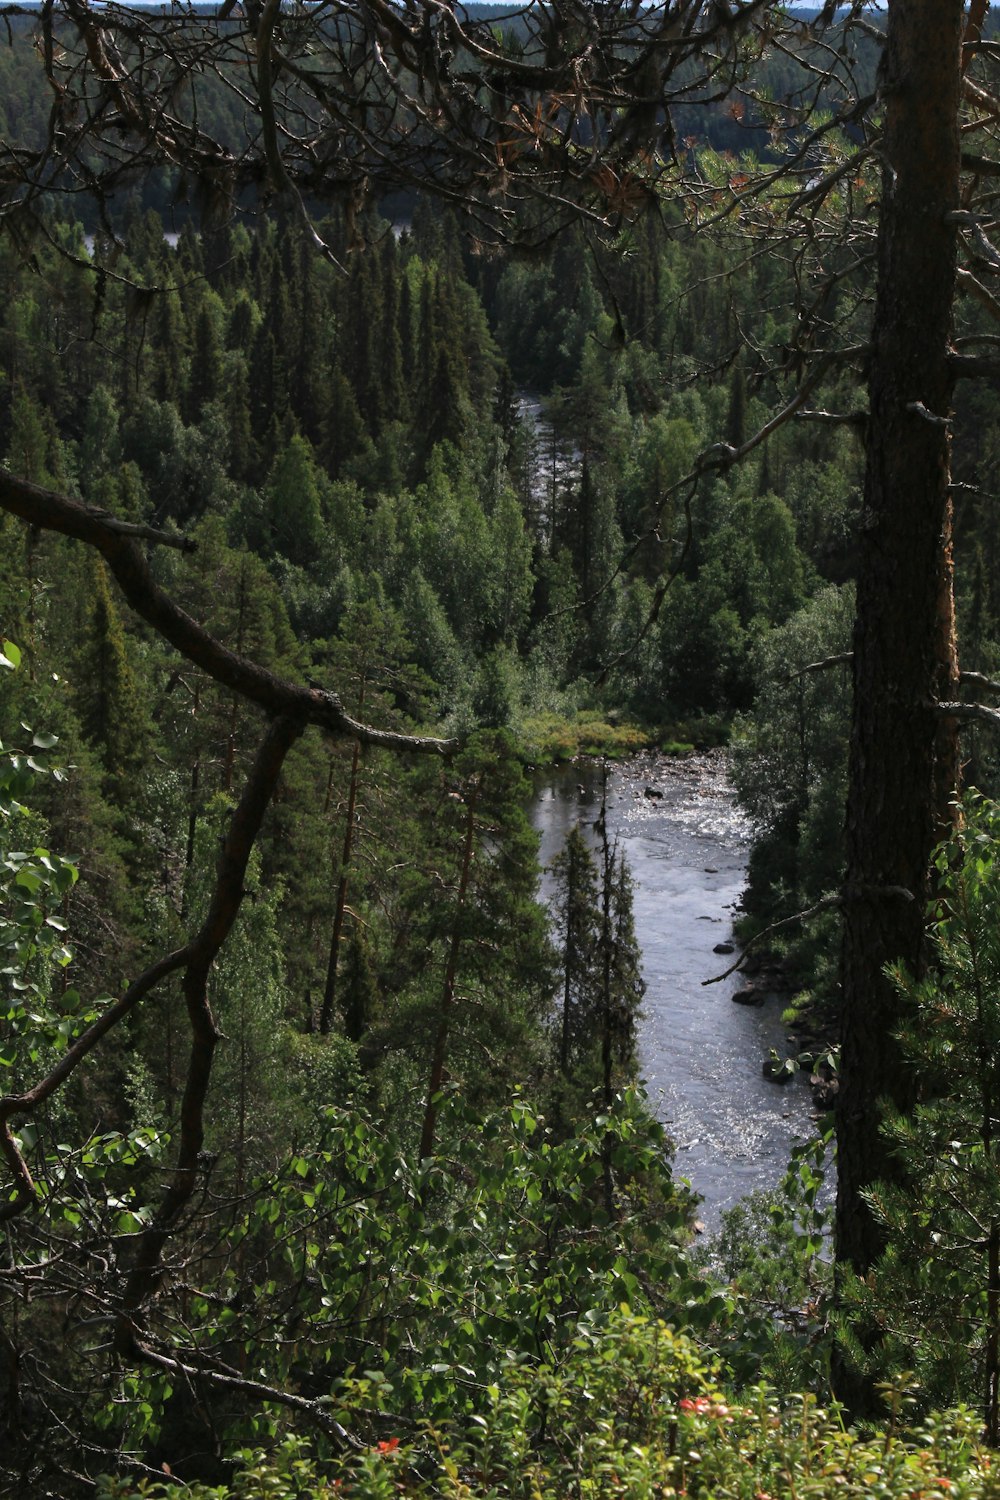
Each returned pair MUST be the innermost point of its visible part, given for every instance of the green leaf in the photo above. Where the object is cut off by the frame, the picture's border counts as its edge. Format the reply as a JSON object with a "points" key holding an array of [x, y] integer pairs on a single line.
{"points": [[10, 655]]}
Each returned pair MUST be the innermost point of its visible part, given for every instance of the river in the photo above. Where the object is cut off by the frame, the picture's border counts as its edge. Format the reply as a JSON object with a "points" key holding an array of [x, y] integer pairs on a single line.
{"points": [[700, 1054]]}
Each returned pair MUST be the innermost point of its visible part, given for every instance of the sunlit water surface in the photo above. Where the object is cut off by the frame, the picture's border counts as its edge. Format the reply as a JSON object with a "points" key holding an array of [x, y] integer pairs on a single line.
{"points": [[700, 1054]]}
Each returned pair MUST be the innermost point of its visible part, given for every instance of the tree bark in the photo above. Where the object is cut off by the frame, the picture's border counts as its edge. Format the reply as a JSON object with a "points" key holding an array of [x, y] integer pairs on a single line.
{"points": [[903, 757]]}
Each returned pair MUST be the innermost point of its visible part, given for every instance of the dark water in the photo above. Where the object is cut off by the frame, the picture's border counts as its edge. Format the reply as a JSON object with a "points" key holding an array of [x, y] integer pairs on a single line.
{"points": [[700, 1054]]}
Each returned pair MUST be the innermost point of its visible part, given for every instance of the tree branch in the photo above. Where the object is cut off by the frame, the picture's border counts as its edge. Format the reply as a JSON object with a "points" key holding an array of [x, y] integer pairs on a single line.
{"points": [[25, 1103], [800, 916], [276, 695], [977, 679], [970, 711], [201, 952], [827, 903], [982, 294], [312, 1410], [841, 659]]}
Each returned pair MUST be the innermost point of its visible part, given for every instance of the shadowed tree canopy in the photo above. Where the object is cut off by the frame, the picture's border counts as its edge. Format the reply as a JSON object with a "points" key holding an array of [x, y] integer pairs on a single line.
{"points": [[522, 117]]}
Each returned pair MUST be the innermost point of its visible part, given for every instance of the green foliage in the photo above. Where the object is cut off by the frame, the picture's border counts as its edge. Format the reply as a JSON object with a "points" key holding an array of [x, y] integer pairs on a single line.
{"points": [[932, 1295], [401, 1294], [107, 694], [551, 738], [293, 503], [41, 1012], [636, 1412], [789, 765], [774, 1251]]}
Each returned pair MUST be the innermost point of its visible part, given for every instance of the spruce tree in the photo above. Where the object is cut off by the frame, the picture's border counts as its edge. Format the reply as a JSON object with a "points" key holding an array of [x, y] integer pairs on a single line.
{"points": [[205, 378], [107, 692], [577, 927]]}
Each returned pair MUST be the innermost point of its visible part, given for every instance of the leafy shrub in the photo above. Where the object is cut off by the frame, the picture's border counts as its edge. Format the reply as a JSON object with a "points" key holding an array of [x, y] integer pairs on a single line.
{"points": [[632, 1411]]}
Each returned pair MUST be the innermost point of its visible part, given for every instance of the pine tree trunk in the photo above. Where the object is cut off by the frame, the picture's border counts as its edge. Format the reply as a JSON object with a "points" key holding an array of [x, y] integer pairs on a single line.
{"points": [[903, 763]]}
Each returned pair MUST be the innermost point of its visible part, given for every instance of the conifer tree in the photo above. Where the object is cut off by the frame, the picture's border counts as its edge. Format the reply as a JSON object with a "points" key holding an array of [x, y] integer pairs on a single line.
{"points": [[618, 956], [100, 445], [293, 503], [205, 378], [577, 926], [360, 991], [474, 927], [108, 698], [29, 449], [366, 662], [391, 378], [343, 432], [169, 334]]}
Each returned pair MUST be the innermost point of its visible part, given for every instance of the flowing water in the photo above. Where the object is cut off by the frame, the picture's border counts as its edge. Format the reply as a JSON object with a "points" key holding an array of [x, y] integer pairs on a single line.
{"points": [[700, 1054]]}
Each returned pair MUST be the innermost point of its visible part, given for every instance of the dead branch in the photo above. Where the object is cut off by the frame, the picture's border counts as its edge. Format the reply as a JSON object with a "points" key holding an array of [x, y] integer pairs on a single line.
{"points": [[841, 659], [856, 419], [982, 294], [982, 166], [974, 366], [827, 903], [800, 916], [313, 1411], [970, 712]]}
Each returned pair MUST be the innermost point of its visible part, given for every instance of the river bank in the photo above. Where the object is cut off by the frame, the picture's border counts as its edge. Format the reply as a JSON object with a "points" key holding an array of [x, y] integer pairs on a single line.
{"points": [[700, 1054]]}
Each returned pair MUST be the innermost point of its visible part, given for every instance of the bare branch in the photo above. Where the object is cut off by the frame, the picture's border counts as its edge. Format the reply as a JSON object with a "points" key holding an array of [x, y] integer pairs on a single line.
{"points": [[974, 366], [800, 916], [926, 415], [856, 419], [828, 903], [982, 294], [982, 166], [970, 712], [313, 1411], [841, 659]]}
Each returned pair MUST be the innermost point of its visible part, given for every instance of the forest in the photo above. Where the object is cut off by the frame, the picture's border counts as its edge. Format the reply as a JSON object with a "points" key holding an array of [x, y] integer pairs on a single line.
{"points": [[395, 401]]}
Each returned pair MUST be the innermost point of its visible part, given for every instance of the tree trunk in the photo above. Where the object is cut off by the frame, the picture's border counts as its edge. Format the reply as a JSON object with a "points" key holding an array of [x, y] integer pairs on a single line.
{"points": [[903, 763]]}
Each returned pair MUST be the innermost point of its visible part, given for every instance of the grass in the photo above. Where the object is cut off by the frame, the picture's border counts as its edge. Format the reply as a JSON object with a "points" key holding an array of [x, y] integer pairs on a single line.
{"points": [[548, 739]]}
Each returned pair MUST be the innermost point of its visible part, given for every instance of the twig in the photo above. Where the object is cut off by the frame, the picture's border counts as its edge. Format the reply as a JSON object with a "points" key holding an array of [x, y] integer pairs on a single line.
{"points": [[800, 916], [841, 659]]}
